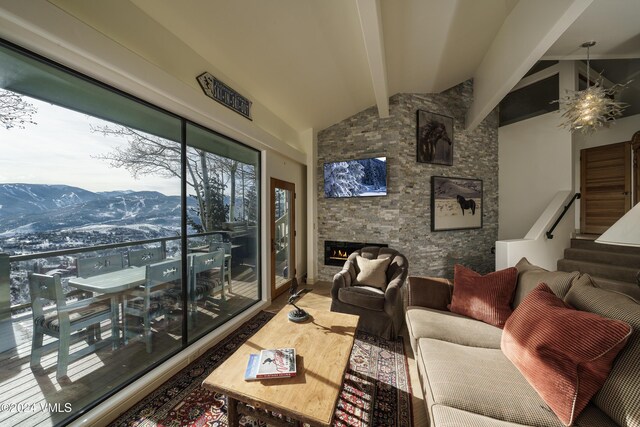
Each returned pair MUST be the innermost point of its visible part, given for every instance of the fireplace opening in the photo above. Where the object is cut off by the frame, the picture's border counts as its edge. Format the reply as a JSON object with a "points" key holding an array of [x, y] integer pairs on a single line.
{"points": [[337, 252]]}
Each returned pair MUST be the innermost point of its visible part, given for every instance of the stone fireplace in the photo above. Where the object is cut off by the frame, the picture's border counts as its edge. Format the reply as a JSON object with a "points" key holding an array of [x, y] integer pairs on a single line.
{"points": [[337, 252], [402, 219]]}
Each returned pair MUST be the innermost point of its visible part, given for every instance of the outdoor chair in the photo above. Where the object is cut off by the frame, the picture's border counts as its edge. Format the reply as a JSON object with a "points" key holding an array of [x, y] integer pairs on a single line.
{"points": [[89, 267], [226, 247], [140, 257], [64, 321], [216, 238], [93, 266], [202, 286], [158, 297]]}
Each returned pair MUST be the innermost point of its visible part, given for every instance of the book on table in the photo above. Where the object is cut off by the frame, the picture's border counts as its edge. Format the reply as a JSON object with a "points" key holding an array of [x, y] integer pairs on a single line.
{"points": [[272, 363]]}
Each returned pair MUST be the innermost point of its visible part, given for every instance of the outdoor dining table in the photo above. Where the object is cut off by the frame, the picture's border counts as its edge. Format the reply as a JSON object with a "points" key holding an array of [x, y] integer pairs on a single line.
{"points": [[114, 285]]}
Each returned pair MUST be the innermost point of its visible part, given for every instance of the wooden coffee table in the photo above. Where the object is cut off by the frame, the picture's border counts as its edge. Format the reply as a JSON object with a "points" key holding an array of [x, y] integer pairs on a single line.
{"points": [[323, 345]]}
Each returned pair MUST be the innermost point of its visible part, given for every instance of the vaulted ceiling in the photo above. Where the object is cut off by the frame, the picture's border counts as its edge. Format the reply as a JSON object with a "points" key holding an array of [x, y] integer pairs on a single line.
{"points": [[316, 62]]}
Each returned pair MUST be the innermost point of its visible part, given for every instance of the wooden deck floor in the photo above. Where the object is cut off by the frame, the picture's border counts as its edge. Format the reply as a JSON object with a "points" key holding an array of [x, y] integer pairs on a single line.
{"points": [[36, 398]]}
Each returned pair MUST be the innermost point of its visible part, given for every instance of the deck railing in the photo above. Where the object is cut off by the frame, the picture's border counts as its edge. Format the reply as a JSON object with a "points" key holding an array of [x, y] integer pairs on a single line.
{"points": [[6, 260]]}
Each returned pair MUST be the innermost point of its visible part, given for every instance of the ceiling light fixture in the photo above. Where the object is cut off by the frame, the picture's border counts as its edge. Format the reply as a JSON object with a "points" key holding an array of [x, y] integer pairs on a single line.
{"points": [[593, 108]]}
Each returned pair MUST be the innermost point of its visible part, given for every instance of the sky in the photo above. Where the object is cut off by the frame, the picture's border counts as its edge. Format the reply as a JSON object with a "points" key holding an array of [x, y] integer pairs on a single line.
{"points": [[60, 149]]}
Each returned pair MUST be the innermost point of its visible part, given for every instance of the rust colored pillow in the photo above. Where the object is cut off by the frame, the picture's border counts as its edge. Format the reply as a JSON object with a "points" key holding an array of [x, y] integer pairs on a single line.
{"points": [[565, 354], [486, 298]]}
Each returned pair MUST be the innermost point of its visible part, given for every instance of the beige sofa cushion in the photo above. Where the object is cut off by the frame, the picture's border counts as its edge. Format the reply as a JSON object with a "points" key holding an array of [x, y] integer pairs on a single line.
{"points": [[620, 394], [445, 416], [529, 276], [444, 325], [484, 382]]}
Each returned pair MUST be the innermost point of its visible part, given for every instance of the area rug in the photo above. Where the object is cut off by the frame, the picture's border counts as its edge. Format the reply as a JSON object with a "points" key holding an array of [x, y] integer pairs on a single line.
{"points": [[375, 391]]}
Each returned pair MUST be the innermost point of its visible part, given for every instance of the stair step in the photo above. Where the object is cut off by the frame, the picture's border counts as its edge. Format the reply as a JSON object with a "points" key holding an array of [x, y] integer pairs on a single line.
{"points": [[623, 274], [590, 244], [603, 257]]}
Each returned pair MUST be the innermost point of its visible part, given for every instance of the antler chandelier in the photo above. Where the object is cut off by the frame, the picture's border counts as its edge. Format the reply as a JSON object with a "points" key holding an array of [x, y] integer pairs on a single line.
{"points": [[593, 108]]}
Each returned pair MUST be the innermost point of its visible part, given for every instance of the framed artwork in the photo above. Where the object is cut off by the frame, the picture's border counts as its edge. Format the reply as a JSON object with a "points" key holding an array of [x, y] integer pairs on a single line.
{"points": [[456, 203], [434, 135]]}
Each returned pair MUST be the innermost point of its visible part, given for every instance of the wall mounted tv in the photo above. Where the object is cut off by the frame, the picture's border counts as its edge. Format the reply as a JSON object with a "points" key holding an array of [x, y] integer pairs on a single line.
{"points": [[356, 178]]}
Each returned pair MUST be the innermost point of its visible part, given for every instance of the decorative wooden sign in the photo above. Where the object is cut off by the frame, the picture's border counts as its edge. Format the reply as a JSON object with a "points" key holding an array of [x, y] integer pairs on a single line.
{"points": [[222, 93]]}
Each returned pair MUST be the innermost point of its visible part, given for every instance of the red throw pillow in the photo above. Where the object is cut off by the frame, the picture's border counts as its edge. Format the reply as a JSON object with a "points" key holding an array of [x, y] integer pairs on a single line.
{"points": [[486, 298], [565, 354]]}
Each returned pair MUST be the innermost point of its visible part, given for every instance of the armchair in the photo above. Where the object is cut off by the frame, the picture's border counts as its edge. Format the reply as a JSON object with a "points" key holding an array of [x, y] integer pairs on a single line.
{"points": [[380, 308]]}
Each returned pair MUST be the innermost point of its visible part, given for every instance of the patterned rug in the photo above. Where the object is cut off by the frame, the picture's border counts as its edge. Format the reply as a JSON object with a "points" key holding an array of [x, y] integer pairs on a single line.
{"points": [[375, 392]]}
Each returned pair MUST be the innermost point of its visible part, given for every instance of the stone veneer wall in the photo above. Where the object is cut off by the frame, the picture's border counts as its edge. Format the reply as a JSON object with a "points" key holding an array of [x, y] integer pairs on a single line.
{"points": [[402, 219]]}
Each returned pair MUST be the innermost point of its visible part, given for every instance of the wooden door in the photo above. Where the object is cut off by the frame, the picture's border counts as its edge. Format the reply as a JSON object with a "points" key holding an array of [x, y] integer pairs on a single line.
{"points": [[605, 184], [283, 241], [635, 143]]}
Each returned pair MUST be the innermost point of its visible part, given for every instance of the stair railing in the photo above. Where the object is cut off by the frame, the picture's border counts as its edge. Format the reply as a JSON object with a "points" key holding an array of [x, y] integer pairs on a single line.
{"points": [[564, 211]]}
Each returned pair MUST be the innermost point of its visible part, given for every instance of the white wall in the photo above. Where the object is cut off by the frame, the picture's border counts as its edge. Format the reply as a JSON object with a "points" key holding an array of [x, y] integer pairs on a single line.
{"points": [[622, 130], [535, 246], [534, 157], [289, 170], [311, 139], [39, 26]]}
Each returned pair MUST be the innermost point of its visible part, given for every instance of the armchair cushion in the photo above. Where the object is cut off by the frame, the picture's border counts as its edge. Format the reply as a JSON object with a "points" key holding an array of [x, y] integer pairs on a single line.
{"points": [[362, 296], [372, 272]]}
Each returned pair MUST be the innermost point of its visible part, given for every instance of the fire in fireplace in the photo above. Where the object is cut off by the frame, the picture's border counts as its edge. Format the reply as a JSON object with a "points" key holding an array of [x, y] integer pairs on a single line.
{"points": [[336, 252]]}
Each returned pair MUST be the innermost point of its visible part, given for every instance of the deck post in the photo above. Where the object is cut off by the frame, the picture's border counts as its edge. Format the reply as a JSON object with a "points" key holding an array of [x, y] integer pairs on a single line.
{"points": [[6, 327]]}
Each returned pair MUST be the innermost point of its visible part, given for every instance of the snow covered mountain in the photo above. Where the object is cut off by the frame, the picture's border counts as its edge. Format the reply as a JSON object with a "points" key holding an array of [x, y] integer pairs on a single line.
{"points": [[21, 199], [28, 208]]}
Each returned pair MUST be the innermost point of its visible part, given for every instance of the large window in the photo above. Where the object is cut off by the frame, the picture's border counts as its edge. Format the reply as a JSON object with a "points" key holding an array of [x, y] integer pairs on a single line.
{"points": [[530, 101], [126, 233]]}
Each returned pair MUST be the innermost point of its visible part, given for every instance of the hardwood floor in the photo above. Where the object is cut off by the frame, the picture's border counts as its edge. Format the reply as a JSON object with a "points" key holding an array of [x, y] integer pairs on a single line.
{"points": [[420, 417]]}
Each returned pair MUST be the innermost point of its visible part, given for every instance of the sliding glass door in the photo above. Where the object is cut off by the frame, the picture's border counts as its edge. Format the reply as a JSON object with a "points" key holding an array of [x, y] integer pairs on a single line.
{"points": [[222, 217], [140, 224]]}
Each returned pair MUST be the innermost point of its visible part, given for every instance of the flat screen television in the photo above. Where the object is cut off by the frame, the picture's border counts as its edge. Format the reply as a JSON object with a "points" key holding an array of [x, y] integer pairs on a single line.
{"points": [[356, 178]]}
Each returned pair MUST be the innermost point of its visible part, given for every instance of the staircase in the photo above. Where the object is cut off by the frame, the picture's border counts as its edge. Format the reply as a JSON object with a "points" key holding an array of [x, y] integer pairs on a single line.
{"points": [[615, 264]]}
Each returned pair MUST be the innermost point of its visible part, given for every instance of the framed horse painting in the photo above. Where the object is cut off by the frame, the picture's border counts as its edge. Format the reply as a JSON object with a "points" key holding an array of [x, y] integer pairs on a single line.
{"points": [[456, 203], [434, 134]]}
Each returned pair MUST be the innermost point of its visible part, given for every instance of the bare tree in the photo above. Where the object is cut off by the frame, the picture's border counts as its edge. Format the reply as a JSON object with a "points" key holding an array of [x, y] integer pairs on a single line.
{"points": [[151, 155], [231, 167], [14, 110]]}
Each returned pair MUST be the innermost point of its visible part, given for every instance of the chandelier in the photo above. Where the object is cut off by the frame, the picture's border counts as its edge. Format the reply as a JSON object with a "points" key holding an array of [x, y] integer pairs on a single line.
{"points": [[593, 108]]}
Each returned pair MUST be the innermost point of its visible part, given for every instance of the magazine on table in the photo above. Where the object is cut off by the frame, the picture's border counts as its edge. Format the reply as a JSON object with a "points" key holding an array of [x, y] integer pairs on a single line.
{"points": [[272, 363]]}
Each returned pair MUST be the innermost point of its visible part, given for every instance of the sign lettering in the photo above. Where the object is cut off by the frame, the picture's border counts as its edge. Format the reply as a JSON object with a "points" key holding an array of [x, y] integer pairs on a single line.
{"points": [[222, 93]]}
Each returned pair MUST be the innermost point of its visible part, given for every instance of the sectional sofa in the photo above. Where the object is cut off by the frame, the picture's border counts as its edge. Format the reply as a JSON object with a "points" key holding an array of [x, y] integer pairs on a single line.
{"points": [[468, 381]]}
